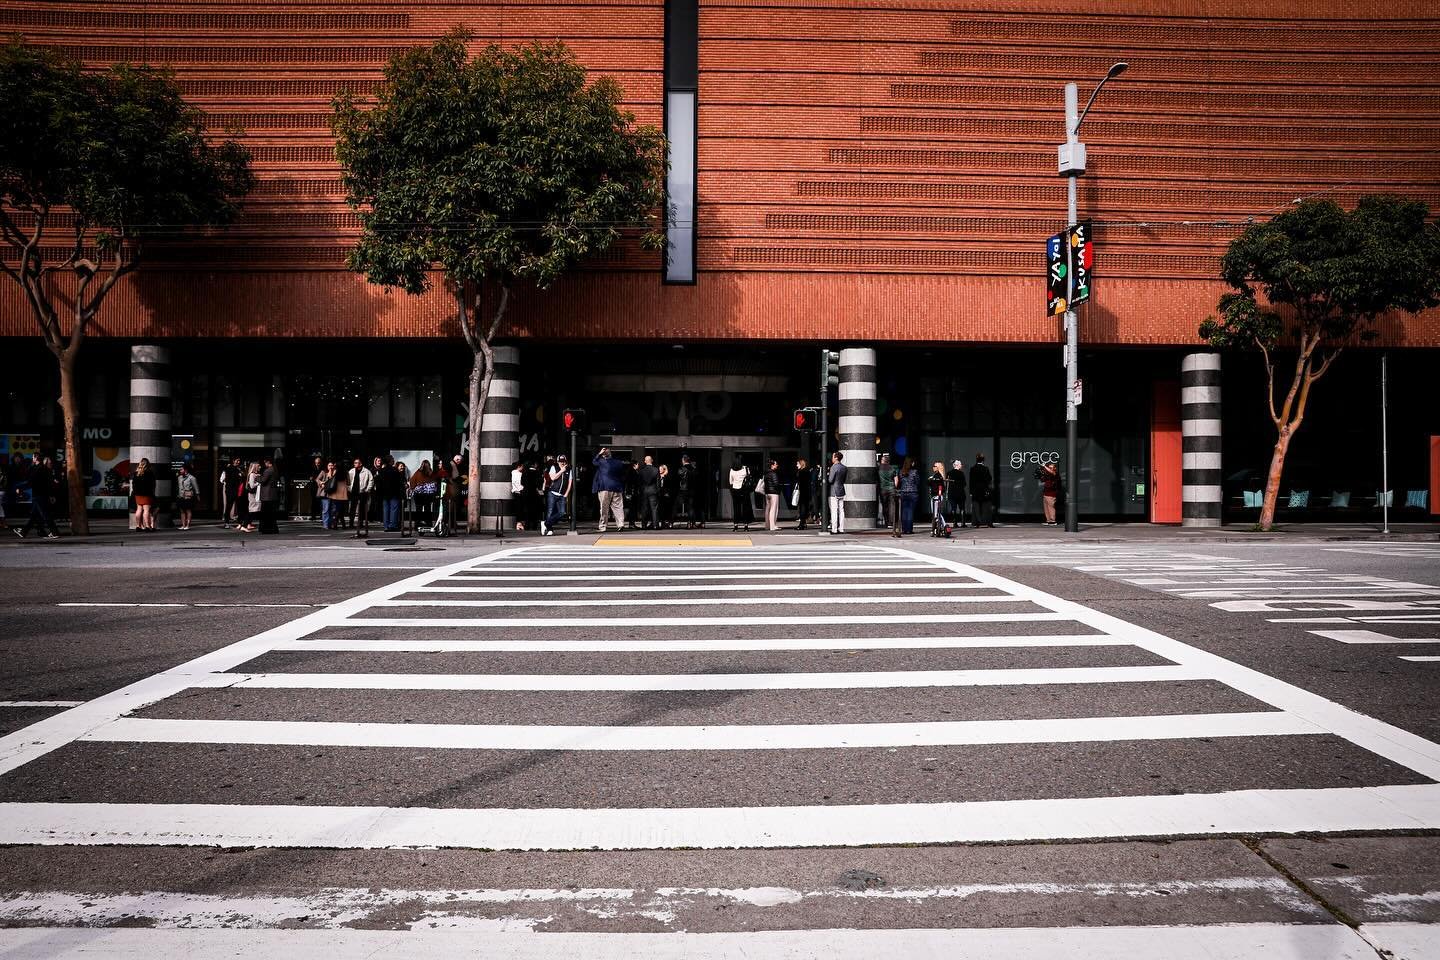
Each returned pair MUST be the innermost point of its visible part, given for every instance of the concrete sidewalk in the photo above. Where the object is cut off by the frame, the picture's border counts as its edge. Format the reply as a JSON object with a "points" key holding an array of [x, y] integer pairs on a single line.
{"points": [[115, 532]]}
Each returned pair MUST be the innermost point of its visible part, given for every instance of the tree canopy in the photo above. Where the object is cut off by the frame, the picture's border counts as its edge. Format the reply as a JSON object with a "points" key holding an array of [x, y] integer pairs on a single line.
{"points": [[1322, 274], [504, 167], [509, 167], [106, 160], [1314, 279]]}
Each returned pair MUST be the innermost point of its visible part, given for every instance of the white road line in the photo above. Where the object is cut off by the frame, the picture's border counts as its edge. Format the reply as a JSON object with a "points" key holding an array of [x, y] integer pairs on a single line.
{"points": [[1386, 740], [936, 599], [612, 623], [49, 734], [41, 703], [330, 566], [841, 680], [305, 606], [691, 644], [842, 579], [785, 736], [491, 940], [1422, 659], [1407, 807], [1369, 636], [698, 588]]}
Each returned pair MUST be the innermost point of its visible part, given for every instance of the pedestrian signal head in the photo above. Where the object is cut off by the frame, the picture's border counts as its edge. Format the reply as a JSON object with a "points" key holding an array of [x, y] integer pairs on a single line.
{"points": [[573, 421], [806, 418]]}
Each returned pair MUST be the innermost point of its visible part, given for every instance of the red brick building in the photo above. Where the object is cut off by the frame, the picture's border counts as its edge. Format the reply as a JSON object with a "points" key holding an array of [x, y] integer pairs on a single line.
{"points": [[874, 174]]}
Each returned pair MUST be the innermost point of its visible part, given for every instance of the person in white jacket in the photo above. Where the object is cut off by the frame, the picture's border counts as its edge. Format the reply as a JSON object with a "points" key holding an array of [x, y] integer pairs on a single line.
{"points": [[362, 485]]}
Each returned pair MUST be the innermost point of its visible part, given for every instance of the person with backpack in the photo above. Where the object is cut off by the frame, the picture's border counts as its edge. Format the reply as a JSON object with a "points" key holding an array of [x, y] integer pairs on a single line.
{"points": [[557, 495]]}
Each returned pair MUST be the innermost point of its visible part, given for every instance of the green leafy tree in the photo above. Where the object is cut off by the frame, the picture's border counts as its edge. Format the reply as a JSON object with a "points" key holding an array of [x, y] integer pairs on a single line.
{"points": [[1313, 280], [93, 164], [502, 169]]}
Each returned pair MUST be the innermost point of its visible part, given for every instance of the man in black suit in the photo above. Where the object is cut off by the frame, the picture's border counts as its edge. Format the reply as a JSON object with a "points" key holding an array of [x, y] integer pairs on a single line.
{"points": [[982, 493]]}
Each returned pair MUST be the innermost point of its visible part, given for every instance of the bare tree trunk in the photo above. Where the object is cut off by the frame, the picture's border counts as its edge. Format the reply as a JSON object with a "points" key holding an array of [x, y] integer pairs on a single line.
{"points": [[74, 475], [1272, 479], [482, 372], [479, 387], [1287, 422]]}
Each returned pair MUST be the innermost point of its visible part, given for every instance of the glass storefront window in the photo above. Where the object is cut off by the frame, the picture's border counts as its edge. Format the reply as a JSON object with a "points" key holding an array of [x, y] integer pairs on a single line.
{"points": [[402, 402], [430, 392], [378, 410]]}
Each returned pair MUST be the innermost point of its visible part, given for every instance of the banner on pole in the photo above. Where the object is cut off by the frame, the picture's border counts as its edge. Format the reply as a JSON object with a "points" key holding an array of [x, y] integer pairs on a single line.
{"points": [[1069, 269]]}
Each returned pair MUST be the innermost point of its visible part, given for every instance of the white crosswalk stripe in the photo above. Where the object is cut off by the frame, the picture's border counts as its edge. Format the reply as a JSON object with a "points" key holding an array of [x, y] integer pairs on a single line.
{"points": [[1236, 585]]}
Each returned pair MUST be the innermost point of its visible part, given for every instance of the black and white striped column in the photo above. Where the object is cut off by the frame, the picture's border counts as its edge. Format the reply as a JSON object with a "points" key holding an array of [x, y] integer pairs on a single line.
{"points": [[1201, 489], [857, 433], [500, 440], [150, 426]]}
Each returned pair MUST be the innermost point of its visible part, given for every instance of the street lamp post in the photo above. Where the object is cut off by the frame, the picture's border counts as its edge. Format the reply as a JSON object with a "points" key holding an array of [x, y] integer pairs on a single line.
{"points": [[1072, 166]]}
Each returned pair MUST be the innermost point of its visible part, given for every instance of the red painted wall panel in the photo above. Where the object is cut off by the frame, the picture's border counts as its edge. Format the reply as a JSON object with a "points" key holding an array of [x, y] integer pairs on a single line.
{"points": [[1166, 456]]}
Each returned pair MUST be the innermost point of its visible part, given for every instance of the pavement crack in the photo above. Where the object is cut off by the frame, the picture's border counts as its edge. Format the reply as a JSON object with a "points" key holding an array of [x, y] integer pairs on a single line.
{"points": [[1256, 846]]}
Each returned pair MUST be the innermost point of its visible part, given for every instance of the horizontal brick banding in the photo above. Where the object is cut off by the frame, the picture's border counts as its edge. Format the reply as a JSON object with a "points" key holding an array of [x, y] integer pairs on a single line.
{"points": [[829, 139]]}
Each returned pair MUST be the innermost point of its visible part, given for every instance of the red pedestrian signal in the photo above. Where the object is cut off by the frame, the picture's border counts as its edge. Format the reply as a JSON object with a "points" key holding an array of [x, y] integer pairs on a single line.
{"points": [[573, 421], [806, 418]]}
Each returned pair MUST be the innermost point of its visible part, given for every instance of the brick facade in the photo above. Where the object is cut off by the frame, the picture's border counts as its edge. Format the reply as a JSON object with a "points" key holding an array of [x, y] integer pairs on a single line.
{"points": [[867, 170]]}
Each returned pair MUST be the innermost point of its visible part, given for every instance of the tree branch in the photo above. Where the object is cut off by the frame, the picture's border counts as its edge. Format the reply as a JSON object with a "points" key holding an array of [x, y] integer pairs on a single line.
{"points": [[499, 312], [74, 254], [1325, 364], [1269, 380]]}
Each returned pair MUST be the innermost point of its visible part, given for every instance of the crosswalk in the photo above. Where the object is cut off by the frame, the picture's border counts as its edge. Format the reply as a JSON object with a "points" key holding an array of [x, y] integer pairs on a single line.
{"points": [[1303, 594], [559, 698], [677, 631]]}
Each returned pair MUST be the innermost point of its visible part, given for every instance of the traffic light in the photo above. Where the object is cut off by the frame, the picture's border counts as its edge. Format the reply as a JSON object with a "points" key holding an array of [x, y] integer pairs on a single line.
{"points": [[573, 421], [831, 360], [806, 419]]}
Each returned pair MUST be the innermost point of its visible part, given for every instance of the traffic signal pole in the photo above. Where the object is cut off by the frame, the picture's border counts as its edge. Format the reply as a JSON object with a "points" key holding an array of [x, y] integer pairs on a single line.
{"points": [[824, 491], [1072, 324]]}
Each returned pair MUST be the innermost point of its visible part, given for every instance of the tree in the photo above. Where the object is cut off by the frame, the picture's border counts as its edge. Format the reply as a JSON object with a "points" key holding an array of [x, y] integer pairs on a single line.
{"points": [[104, 161], [1314, 279], [501, 169]]}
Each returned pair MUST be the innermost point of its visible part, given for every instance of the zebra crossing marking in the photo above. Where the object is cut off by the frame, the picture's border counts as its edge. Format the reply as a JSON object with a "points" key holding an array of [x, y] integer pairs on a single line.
{"points": [[1293, 712], [1277, 588]]}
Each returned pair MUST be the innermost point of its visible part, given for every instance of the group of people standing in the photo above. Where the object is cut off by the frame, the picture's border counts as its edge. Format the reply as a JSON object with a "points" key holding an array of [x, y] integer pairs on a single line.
{"points": [[343, 498], [954, 495]]}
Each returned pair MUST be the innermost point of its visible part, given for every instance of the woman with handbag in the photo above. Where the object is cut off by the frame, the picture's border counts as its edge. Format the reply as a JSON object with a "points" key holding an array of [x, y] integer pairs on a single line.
{"points": [[741, 485], [800, 499]]}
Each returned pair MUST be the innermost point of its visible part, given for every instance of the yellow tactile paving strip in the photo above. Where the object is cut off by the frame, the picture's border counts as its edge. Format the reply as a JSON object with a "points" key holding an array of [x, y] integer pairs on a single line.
{"points": [[673, 542]]}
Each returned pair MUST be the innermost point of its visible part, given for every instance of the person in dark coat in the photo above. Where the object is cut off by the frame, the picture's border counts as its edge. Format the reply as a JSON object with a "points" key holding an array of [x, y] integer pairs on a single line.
{"points": [[269, 497], [982, 493], [805, 492], [647, 483], [42, 500], [959, 493]]}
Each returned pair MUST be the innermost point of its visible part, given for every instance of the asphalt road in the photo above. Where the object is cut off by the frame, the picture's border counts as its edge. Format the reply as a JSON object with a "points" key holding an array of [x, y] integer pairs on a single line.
{"points": [[795, 747]]}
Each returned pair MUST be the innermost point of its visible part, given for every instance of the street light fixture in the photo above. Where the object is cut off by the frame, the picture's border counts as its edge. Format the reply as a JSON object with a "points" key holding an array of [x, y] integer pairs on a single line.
{"points": [[1072, 166]]}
